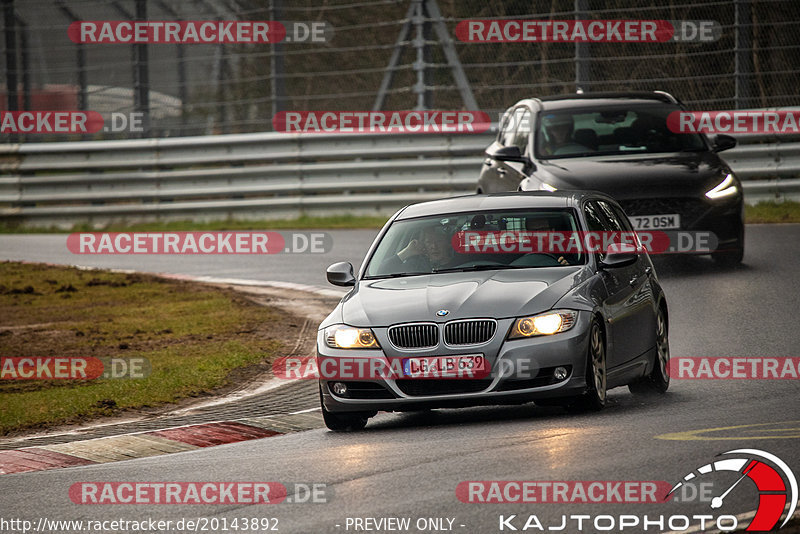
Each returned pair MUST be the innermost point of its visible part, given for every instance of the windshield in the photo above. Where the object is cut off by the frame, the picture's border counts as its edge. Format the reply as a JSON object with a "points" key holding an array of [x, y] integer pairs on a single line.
{"points": [[610, 130], [471, 241]]}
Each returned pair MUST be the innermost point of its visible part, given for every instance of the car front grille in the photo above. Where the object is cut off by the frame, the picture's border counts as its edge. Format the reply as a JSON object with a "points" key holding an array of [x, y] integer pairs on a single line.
{"points": [[426, 387], [472, 332], [414, 336], [690, 209]]}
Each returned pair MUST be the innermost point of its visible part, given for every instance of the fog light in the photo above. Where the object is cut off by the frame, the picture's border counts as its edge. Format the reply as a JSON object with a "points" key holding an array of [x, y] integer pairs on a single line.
{"points": [[560, 373], [338, 388]]}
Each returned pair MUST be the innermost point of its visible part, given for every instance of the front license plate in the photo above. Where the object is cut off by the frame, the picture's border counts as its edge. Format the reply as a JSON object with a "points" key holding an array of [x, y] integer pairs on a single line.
{"points": [[656, 222], [466, 366]]}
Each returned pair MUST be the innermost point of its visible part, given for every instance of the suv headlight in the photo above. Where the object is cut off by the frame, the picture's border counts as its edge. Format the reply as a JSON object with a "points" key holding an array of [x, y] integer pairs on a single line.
{"points": [[341, 336], [544, 324], [725, 188]]}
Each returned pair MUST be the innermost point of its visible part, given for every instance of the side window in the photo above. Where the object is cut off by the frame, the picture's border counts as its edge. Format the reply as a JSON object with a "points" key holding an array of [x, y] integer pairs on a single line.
{"points": [[594, 219], [515, 131], [523, 131], [510, 127], [597, 221], [615, 224], [504, 125], [623, 219]]}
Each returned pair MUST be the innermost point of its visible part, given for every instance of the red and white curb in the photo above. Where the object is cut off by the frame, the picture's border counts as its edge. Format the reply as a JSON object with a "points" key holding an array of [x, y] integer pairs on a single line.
{"points": [[154, 442]]}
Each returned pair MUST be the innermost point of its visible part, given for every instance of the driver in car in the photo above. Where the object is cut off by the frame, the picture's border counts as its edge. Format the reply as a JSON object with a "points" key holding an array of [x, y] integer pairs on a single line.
{"points": [[432, 251], [539, 224], [557, 136]]}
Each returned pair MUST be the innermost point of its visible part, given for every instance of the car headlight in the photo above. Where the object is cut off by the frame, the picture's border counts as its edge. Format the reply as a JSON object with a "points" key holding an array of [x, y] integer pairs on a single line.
{"points": [[347, 337], [725, 188], [543, 325]]}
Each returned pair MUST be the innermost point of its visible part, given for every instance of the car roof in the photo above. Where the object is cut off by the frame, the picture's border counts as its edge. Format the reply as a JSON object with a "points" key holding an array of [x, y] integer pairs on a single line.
{"points": [[499, 201], [599, 99]]}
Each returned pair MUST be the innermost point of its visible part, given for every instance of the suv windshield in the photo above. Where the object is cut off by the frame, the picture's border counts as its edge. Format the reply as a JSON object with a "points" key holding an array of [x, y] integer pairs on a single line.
{"points": [[471, 241], [610, 130]]}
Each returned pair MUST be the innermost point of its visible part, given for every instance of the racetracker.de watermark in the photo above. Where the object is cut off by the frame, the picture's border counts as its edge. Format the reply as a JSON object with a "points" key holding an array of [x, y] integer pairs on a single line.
{"points": [[223, 242], [556, 242], [204, 492], [734, 368], [379, 368], [587, 31], [778, 122], [198, 31], [73, 368], [68, 122], [562, 491], [374, 122], [177, 493]]}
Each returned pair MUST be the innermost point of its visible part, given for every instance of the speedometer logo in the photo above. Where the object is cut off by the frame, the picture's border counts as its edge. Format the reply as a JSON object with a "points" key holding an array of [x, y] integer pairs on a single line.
{"points": [[775, 482]]}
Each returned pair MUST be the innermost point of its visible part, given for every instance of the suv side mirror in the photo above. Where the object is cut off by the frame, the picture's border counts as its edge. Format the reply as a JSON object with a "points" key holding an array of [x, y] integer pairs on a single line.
{"points": [[722, 142], [619, 255], [512, 153], [341, 274]]}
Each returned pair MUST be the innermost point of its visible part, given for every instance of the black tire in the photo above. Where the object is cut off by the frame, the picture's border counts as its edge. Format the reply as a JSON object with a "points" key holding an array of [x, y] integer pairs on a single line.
{"points": [[596, 378], [343, 422], [657, 382], [729, 258]]}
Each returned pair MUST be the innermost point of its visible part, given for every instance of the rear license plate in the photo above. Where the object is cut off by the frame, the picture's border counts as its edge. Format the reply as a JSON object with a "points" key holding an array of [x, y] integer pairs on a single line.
{"points": [[656, 222], [462, 366]]}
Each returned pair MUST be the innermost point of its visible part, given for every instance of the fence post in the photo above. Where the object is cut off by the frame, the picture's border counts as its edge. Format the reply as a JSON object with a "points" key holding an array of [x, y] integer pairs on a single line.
{"points": [[582, 54], [277, 85], [142, 81], [743, 52], [9, 28]]}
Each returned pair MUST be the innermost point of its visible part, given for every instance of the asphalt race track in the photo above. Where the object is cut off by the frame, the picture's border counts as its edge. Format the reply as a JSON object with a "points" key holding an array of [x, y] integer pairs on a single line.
{"points": [[409, 465]]}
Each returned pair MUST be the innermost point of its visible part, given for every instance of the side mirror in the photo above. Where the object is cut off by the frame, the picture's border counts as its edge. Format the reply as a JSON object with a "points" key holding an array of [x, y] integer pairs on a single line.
{"points": [[511, 153], [619, 255], [722, 142], [341, 274]]}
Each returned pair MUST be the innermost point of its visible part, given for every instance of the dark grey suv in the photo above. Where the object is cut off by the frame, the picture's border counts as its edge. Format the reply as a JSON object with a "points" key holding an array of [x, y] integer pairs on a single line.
{"points": [[619, 143]]}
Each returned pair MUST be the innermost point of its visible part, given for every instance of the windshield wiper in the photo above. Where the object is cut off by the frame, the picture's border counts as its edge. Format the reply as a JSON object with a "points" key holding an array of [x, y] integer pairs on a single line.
{"points": [[475, 268], [393, 275]]}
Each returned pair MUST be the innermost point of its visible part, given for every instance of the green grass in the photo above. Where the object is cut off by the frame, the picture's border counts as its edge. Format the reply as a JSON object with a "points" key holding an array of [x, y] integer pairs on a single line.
{"points": [[301, 223], [196, 338], [771, 212]]}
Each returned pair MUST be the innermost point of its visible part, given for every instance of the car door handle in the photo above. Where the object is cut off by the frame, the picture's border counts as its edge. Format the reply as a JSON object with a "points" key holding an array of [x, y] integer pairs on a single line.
{"points": [[648, 270], [501, 171], [633, 281], [488, 162]]}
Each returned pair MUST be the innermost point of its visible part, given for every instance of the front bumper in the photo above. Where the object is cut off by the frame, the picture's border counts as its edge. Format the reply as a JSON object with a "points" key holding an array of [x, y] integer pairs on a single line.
{"points": [[723, 218], [521, 371]]}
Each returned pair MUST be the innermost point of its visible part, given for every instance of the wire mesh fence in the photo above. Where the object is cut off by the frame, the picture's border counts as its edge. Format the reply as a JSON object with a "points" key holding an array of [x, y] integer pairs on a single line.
{"points": [[202, 89]]}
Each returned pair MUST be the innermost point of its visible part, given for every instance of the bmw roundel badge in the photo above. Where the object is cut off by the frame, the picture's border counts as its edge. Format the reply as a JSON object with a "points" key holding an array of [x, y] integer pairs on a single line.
{"points": [[442, 313]]}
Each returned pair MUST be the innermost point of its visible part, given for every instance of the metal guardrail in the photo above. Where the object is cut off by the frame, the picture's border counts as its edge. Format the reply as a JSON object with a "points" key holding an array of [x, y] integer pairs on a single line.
{"points": [[267, 175]]}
